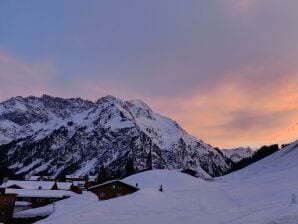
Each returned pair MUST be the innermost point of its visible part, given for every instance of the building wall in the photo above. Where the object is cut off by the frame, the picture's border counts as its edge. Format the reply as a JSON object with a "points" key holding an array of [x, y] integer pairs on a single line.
{"points": [[113, 190], [7, 203], [38, 202]]}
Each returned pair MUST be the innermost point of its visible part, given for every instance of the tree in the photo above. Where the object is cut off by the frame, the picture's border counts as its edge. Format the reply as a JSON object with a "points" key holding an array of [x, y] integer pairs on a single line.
{"points": [[129, 167], [5, 172], [102, 175], [149, 161]]}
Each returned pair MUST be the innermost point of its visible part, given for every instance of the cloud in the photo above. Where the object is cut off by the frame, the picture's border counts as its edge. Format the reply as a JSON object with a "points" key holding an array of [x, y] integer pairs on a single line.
{"points": [[226, 70], [18, 77], [232, 115]]}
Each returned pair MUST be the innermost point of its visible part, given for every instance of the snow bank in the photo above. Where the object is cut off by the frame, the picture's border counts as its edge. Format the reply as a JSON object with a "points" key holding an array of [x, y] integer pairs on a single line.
{"points": [[259, 194]]}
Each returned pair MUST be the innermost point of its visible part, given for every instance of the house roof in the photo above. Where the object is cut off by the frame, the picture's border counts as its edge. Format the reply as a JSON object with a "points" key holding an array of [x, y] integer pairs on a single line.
{"points": [[64, 185], [34, 178], [44, 185], [110, 182], [40, 193], [75, 177]]}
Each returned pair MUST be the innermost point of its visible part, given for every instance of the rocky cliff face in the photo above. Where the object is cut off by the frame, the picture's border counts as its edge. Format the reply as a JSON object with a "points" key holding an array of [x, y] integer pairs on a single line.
{"points": [[74, 136]]}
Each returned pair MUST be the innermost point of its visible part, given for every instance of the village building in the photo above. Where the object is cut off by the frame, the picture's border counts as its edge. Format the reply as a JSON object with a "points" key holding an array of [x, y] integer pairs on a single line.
{"points": [[41, 178], [33, 185], [41, 185], [71, 178], [81, 182], [7, 204], [112, 189], [38, 198]]}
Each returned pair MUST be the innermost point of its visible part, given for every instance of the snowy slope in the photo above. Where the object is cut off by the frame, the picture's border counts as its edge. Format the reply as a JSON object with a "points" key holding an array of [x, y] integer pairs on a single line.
{"points": [[73, 136], [238, 153], [283, 160], [259, 194]]}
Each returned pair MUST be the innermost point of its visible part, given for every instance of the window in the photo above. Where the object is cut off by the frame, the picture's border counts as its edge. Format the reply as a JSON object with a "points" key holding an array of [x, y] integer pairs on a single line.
{"points": [[27, 199], [102, 194], [114, 186], [40, 200], [53, 200]]}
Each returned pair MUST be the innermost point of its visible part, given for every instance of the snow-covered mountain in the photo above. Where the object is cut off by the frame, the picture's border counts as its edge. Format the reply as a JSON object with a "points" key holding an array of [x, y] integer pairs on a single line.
{"points": [[63, 136], [238, 153]]}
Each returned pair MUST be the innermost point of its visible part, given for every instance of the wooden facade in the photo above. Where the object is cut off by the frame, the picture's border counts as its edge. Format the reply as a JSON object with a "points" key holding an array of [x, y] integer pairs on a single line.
{"points": [[112, 189], [40, 201], [7, 203]]}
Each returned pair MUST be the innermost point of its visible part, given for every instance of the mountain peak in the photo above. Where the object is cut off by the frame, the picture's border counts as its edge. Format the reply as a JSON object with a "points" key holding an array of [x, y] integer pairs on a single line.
{"points": [[139, 103]]}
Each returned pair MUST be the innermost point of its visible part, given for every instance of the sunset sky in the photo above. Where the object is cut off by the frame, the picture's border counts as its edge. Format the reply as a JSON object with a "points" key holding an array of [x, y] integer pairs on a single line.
{"points": [[226, 70]]}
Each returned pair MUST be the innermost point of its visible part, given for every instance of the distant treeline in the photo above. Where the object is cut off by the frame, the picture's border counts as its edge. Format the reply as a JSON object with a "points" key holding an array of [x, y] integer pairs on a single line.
{"points": [[6, 172], [261, 153]]}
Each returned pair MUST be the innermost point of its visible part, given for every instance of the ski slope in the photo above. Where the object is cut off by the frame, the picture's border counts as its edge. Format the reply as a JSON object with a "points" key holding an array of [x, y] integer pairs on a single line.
{"points": [[259, 194]]}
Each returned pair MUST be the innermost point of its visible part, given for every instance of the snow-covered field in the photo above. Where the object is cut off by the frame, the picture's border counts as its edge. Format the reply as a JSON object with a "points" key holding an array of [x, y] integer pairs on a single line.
{"points": [[263, 193]]}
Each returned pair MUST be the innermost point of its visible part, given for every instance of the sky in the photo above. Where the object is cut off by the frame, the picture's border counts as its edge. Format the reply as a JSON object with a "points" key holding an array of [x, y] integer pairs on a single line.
{"points": [[225, 70]]}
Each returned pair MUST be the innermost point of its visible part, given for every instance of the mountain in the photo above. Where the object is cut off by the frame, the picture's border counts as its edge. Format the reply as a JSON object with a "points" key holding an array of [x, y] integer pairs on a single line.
{"points": [[56, 136], [238, 154]]}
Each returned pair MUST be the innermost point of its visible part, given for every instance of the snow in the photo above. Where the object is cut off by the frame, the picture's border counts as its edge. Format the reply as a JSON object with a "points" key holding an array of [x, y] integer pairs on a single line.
{"points": [[35, 212], [22, 203], [86, 167], [32, 185], [261, 194], [28, 167], [64, 185], [48, 117], [34, 178], [40, 193]]}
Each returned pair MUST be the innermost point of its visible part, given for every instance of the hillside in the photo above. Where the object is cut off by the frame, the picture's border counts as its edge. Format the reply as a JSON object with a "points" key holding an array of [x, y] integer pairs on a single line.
{"points": [[259, 194]]}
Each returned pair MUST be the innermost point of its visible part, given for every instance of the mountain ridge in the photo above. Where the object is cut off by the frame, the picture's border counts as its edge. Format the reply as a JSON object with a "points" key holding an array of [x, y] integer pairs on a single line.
{"points": [[57, 136]]}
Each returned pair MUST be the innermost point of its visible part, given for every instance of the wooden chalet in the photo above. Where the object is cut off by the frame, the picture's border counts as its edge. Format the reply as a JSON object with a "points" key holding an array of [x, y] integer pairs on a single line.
{"points": [[38, 193], [41, 178], [32, 185], [7, 204], [112, 189], [38, 198]]}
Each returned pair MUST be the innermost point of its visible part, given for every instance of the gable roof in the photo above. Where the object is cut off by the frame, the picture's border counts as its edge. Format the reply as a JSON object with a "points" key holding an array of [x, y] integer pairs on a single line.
{"points": [[40, 193], [64, 185], [110, 182], [32, 185], [34, 178]]}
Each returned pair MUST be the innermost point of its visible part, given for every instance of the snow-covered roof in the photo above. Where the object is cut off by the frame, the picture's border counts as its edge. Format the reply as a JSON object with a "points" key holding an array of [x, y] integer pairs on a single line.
{"points": [[42, 185], [109, 182], [34, 178], [75, 177], [35, 212], [64, 185], [40, 193], [92, 178]]}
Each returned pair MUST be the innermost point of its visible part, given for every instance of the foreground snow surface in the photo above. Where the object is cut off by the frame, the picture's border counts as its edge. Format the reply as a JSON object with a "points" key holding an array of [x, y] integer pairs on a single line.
{"points": [[261, 193]]}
